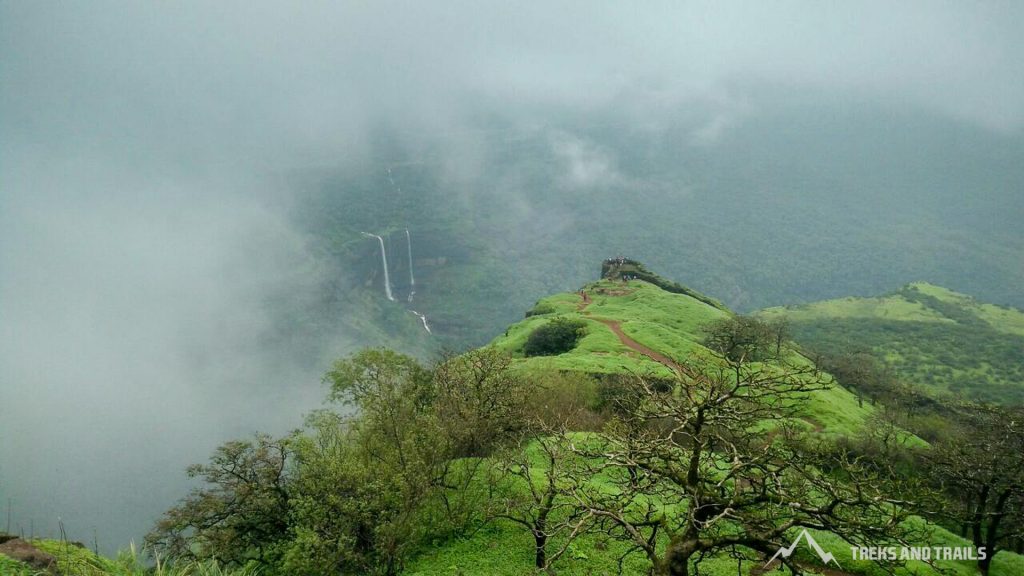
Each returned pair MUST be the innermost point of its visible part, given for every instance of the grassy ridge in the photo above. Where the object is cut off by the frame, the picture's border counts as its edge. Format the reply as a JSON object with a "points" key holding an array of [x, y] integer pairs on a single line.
{"points": [[665, 322], [943, 341]]}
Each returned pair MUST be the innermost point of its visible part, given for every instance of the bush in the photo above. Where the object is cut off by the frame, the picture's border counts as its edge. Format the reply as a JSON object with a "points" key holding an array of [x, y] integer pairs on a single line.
{"points": [[540, 309], [556, 337]]}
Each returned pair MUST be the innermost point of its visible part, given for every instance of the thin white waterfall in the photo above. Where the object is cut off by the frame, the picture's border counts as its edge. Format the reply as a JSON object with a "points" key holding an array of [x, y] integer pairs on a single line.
{"points": [[384, 261], [423, 318], [408, 246]]}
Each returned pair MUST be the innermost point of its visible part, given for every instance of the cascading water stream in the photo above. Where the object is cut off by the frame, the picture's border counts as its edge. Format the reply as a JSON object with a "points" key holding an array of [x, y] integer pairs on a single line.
{"points": [[387, 278], [384, 261], [412, 278], [423, 318]]}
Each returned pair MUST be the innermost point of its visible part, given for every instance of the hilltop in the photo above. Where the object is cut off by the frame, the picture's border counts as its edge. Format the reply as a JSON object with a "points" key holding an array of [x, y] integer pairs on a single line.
{"points": [[943, 341], [637, 327]]}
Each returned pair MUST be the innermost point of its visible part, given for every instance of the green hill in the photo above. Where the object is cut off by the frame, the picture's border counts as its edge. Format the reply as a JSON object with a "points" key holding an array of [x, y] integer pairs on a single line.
{"points": [[636, 327], [943, 341]]}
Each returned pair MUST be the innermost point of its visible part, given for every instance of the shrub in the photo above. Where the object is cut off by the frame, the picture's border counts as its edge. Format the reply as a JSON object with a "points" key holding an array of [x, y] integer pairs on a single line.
{"points": [[556, 337], [540, 309]]}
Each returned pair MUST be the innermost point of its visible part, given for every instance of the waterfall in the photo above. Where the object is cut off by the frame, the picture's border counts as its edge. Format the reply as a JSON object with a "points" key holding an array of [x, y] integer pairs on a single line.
{"points": [[384, 261], [423, 318], [412, 279]]}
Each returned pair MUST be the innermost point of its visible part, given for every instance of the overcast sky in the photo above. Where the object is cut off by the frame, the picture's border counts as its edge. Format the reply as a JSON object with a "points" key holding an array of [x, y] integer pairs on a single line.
{"points": [[139, 233], [200, 82]]}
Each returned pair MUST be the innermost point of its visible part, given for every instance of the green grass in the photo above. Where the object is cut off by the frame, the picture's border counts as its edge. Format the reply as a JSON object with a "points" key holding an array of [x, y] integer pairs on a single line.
{"points": [[11, 567], [942, 341], [662, 321], [665, 322], [1000, 318], [74, 560], [502, 548], [890, 308], [1004, 564]]}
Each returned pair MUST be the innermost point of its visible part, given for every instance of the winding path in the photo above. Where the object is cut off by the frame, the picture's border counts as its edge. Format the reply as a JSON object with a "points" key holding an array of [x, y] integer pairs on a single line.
{"points": [[616, 328], [634, 345]]}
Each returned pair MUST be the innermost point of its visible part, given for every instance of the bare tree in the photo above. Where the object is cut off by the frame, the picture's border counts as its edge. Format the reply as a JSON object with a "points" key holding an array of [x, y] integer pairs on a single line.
{"points": [[530, 486], [982, 469], [695, 465]]}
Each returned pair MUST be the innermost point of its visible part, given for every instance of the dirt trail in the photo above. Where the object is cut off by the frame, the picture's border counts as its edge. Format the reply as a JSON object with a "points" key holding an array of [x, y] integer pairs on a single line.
{"points": [[634, 345], [585, 302], [626, 340]]}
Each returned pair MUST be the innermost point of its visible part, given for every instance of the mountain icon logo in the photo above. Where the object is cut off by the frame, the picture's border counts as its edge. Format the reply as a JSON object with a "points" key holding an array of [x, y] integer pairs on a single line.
{"points": [[786, 552]]}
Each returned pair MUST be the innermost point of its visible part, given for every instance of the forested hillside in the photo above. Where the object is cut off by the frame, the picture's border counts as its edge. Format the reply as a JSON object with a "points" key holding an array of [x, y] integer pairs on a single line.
{"points": [[944, 342], [752, 217]]}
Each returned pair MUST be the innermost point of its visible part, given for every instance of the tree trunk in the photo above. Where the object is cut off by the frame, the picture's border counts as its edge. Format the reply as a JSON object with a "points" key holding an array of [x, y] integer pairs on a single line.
{"points": [[677, 560], [540, 540], [985, 564]]}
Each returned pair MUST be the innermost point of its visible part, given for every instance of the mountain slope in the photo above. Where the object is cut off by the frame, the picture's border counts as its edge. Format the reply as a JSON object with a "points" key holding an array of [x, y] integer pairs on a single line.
{"points": [[938, 339], [636, 327], [865, 199]]}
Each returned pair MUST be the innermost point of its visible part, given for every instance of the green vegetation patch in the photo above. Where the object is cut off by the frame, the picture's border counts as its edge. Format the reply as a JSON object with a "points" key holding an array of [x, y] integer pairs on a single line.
{"points": [[11, 567], [942, 341], [555, 337]]}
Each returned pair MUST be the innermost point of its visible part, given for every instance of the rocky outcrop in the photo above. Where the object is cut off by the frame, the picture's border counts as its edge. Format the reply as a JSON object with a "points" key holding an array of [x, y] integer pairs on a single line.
{"points": [[621, 268]]}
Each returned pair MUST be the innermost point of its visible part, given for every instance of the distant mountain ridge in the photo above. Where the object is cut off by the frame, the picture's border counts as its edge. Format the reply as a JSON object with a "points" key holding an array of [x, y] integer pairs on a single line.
{"points": [[943, 341]]}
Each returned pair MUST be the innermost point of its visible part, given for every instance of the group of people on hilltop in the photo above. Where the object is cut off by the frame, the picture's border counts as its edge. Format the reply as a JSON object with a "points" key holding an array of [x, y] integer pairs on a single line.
{"points": [[619, 261]]}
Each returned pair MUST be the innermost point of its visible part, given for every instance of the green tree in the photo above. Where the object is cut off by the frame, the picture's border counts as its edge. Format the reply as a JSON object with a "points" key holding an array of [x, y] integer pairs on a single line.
{"points": [[392, 454], [240, 515], [555, 337], [349, 513], [479, 401]]}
